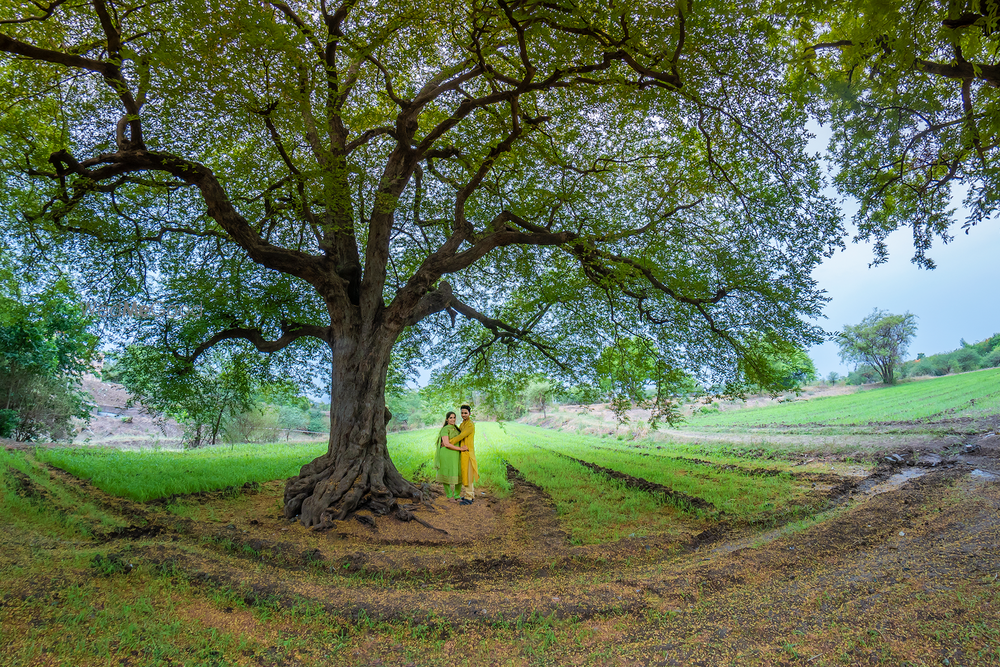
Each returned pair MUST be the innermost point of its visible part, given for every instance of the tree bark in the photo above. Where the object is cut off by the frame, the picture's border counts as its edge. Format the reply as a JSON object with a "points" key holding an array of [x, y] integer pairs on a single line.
{"points": [[356, 471]]}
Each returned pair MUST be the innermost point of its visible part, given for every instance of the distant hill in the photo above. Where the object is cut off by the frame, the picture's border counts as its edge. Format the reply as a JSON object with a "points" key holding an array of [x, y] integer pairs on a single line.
{"points": [[114, 424]]}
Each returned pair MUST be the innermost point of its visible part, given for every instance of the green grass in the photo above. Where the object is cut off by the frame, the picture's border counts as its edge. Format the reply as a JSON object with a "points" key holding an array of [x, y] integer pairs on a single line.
{"points": [[149, 474], [736, 494], [592, 508], [30, 496], [113, 621], [968, 394]]}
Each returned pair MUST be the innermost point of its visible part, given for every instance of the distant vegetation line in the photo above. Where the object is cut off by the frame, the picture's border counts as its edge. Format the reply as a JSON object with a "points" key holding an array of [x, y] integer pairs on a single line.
{"points": [[969, 394]]}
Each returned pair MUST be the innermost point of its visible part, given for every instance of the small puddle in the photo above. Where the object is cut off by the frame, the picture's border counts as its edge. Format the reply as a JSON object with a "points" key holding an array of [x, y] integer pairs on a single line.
{"points": [[892, 483], [983, 475]]}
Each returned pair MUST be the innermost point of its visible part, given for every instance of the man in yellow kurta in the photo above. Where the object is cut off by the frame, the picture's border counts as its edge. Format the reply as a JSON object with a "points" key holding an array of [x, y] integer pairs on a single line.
{"points": [[468, 468]]}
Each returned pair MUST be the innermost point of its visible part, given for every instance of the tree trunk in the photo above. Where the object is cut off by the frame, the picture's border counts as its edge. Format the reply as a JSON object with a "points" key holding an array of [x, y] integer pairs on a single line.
{"points": [[356, 471]]}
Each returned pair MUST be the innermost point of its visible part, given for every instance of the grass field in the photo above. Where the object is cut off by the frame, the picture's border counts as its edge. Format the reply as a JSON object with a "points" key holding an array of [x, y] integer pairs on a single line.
{"points": [[965, 395], [904, 578], [593, 508], [730, 491]]}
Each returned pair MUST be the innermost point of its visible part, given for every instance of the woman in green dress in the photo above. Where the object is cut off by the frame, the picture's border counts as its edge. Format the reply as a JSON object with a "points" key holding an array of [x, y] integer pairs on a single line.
{"points": [[447, 458]]}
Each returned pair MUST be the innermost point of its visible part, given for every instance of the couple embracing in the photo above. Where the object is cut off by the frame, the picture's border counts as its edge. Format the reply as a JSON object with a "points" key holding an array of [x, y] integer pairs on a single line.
{"points": [[455, 458]]}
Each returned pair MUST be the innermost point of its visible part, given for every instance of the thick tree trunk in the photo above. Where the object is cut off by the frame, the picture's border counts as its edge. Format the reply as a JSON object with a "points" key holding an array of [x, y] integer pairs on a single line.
{"points": [[356, 471]]}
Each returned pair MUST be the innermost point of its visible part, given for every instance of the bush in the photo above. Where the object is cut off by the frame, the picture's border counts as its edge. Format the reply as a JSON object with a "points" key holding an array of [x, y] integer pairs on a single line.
{"points": [[318, 421], [863, 375], [48, 407], [44, 350], [292, 418], [966, 359], [922, 367], [937, 365], [8, 422], [582, 394], [257, 425], [992, 360]]}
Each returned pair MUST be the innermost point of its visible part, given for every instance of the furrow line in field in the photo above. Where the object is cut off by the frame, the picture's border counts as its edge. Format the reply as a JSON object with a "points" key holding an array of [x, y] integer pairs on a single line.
{"points": [[677, 497], [733, 468]]}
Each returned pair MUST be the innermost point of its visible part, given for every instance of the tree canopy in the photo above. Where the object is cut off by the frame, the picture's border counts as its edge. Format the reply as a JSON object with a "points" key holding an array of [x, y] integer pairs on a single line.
{"points": [[910, 90], [879, 340], [44, 350], [505, 185]]}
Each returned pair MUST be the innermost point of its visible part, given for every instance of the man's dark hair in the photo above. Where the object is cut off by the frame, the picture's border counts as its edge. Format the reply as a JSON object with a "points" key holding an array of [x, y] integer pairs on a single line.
{"points": [[466, 407]]}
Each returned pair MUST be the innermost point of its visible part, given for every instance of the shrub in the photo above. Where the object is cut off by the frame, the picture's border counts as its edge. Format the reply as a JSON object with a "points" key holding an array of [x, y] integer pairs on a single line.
{"points": [[8, 422], [318, 420], [257, 425], [863, 375], [922, 367], [966, 359], [44, 350], [992, 360]]}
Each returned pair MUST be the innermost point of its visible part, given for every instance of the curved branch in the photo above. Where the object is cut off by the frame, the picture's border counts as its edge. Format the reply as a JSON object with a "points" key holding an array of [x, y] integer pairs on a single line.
{"points": [[216, 199], [367, 136], [443, 299], [48, 11], [290, 332], [19, 48], [506, 333], [989, 74]]}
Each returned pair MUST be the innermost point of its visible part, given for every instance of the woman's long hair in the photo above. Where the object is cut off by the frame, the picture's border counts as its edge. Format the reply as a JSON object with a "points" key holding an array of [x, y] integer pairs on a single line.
{"points": [[450, 414]]}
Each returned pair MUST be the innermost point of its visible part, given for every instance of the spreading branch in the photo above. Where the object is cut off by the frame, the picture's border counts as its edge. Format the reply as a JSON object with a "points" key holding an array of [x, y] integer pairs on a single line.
{"points": [[290, 332]]}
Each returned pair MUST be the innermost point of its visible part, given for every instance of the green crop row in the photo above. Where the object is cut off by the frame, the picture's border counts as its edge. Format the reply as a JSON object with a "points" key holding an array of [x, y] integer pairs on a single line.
{"points": [[734, 493], [29, 493], [953, 395], [592, 508], [149, 474]]}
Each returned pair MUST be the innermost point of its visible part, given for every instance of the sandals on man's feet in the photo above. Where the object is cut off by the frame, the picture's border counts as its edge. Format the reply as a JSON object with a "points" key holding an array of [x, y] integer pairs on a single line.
{"points": [[465, 501]]}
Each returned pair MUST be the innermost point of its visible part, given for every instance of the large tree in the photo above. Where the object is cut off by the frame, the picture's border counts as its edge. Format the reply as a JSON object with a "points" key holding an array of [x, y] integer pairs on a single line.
{"points": [[349, 178], [44, 350], [879, 340], [911, 90]]}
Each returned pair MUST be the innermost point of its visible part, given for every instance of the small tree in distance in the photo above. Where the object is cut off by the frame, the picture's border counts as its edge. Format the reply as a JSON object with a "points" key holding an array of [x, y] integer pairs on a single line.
{"points": [[539, 394], [879, 340]]}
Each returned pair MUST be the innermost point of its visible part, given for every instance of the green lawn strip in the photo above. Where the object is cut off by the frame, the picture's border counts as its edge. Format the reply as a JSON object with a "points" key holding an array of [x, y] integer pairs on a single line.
{"points": [[736, 494], [744, 459], [984, 406], [592, 507], [149, 474], [904, 402], [31, 495], [692, 454]]}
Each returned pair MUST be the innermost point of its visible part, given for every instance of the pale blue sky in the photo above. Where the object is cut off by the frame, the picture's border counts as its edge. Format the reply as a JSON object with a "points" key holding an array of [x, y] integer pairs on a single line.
{"points": [[956, 300]]}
